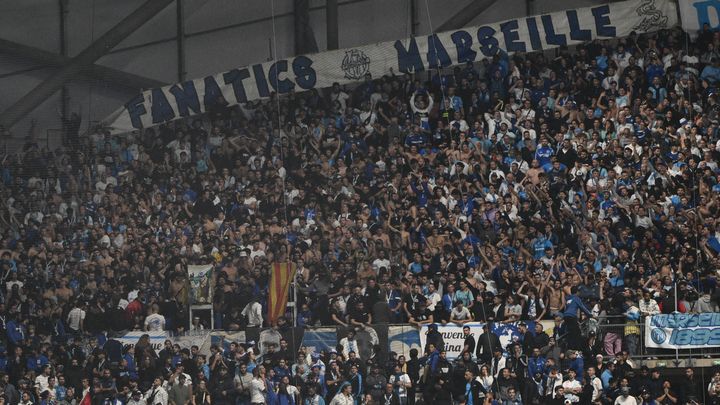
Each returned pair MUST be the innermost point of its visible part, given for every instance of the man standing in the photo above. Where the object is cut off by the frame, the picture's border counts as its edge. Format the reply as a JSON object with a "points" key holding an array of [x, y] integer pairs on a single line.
{"points": [[469, 344], [180, 393], [572, 387], [527, 339], [573, 304], [472, 389], [76, 318], [243, 382], [401, 383], [487, 343]]}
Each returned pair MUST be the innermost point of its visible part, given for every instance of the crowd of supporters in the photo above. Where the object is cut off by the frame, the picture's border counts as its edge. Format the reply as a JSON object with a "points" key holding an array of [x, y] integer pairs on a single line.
{"points": [[579, 186]]}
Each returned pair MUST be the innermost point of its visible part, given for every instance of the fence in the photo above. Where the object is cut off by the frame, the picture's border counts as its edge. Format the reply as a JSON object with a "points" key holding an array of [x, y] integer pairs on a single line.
{"points": [[379, 341]]}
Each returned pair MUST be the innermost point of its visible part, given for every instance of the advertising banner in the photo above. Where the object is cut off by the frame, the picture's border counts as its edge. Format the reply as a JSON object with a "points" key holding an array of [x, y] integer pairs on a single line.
{"points": [[401, 56], [682, 331]]}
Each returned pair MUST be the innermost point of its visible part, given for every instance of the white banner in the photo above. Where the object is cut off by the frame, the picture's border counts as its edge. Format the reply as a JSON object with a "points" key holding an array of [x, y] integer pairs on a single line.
{"points": [[455, 340], [157, 340], [683, 331], [695, 13], [410, 55]]}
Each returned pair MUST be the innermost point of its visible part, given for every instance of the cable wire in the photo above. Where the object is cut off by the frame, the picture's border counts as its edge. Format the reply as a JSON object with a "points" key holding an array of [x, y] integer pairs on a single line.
{"points": [[282, 158], [434, 41]]}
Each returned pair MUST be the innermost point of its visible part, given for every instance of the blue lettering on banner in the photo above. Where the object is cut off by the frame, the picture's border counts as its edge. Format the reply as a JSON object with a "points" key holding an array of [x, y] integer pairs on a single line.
{"points": [[186, 98], [577, 34], [602, 21], [703, 14], [235, 78], [697, 337], [512, 38], [282, 86], [212, 93], [437, 55], [136, 109], [260, 81], [552, 38], [488, 43], [409, 60], [305, 75], [161, 109], [463, 43], [533, 33]]}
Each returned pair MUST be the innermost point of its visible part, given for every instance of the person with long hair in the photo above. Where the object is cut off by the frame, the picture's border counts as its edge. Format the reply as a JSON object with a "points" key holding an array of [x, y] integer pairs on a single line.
{"points": [[283, 395], [486, 379], [259, 387], [201, 396]]}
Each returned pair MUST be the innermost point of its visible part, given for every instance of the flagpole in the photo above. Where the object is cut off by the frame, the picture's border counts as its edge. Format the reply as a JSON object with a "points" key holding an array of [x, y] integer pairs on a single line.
{"points": [[294, 285], [677, 351]]}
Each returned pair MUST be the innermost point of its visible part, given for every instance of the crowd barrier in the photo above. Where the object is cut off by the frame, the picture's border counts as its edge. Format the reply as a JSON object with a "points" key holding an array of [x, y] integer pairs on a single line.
{"points": [[662, 336]]}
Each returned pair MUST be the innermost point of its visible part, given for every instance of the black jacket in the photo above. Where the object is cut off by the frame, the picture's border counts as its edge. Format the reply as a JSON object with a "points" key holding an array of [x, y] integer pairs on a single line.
{"points": [[391, 399], [486, 343], [435, 338]]}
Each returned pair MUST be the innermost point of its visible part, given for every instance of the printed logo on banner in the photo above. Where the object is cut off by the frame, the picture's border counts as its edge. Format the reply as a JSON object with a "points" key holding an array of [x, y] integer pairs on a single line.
{"points": [[652, 17], [355, 64], [658, 336]]}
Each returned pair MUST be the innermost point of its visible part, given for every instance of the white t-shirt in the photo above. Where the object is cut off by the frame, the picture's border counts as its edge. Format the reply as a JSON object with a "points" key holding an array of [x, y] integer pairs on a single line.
{"points": [[628, 400], [462, 314], [154, 323], [570, 387], [74, 318], [41, 382]]}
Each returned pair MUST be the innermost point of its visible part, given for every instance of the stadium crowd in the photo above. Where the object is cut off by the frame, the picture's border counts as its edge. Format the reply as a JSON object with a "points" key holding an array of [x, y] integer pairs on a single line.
{"points": [[580, 187]]}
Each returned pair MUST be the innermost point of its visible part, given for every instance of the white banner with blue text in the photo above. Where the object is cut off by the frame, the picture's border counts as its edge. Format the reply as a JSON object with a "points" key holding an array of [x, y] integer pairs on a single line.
{"points": [[682, 331], [402, 56]]}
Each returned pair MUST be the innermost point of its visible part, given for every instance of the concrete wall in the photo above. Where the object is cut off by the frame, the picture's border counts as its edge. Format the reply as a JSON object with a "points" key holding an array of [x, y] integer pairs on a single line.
{"points": [[220, 34]]}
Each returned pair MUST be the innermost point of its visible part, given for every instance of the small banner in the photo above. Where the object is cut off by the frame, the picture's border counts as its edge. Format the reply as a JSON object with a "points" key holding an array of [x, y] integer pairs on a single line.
{"points": [[281, 276], [157, 340], [201, 288], [682, 331], [455, 339], [402, 56]]}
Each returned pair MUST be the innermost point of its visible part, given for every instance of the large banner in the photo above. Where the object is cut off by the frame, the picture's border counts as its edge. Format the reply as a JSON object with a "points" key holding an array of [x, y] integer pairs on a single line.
{"points": [[683, 331], [455, 339], [410, 55], [695, 13], [201, 287]]}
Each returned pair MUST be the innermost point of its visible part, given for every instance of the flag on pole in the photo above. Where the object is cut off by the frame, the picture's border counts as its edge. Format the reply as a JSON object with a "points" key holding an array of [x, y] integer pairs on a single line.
{"points": [[281, 276]]}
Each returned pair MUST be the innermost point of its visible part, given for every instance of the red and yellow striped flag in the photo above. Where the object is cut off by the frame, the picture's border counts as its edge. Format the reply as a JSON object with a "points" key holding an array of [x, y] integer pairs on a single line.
{"points": [[281, 275]]}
